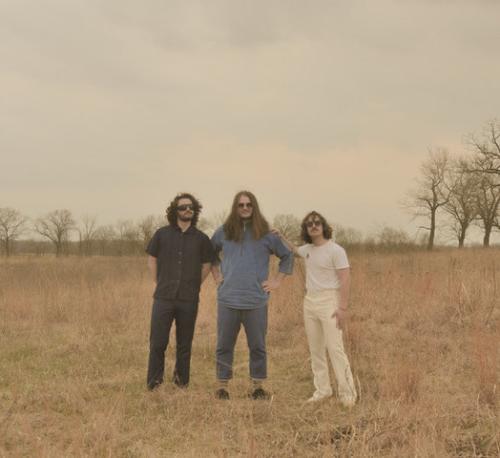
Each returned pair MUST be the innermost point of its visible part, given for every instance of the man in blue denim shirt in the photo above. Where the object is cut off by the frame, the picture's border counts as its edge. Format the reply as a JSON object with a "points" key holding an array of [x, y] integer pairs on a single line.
{"points": [[243, 288]]}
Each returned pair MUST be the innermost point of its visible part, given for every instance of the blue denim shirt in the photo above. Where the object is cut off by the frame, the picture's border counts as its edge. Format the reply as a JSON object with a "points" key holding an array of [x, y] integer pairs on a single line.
{"points": [[245, 265]]}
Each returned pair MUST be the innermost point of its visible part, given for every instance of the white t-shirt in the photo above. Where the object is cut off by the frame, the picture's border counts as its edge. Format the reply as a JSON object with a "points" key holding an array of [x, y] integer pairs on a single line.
{"points": [[322, 263]]}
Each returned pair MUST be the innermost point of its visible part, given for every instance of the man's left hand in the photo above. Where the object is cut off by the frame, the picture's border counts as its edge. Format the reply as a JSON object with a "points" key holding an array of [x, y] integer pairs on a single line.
{"points": [[270, 285]]}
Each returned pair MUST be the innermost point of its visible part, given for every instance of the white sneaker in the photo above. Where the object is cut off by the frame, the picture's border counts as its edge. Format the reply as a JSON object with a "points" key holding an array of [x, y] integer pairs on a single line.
{"points": [[318, 397]]}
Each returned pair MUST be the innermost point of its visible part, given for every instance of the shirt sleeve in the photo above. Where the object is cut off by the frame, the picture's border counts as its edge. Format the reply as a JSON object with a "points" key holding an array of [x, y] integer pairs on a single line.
{"points": [[302, 251], [284, 254], [207, 251], [339, 257], [153, 247]]}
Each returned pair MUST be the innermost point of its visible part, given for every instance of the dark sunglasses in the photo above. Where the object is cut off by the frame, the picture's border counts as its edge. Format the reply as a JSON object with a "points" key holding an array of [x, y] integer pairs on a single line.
{"points": [[183, 208], [316, 223], [244, 204]]}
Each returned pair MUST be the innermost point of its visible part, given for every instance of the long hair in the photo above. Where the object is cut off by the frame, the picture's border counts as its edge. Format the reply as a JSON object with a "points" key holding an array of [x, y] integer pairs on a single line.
{"points": [[327, 229], [172, 208], [233, 227]]}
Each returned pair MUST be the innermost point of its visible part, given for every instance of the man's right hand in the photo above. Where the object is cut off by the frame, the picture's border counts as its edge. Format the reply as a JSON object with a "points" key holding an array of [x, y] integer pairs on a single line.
{"points": [[341, 316]]}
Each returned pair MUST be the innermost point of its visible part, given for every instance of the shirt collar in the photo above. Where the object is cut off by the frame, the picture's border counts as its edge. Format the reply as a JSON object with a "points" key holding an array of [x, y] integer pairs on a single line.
{"points": [[188, 230]]}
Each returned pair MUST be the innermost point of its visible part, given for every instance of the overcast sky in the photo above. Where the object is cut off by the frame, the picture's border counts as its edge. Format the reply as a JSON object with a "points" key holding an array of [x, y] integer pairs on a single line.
{"points": [[112, 107]]}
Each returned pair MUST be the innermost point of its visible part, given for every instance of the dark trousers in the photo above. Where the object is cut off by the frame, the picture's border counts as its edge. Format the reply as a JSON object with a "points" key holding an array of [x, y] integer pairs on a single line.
{"points": [[229, 321], [163, 314]]}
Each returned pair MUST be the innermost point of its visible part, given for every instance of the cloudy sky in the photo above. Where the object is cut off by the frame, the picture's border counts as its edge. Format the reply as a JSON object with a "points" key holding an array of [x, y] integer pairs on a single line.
{"points": [[112, 107]]}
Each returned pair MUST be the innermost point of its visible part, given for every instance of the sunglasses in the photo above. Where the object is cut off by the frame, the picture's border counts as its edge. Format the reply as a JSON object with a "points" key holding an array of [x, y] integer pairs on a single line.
{"points": [[183, 208], [316, 223], [245, 205]]}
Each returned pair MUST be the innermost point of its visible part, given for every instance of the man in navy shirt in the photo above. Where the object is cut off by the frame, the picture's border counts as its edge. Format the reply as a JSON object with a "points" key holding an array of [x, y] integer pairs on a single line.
{"points": [[179, 259], [244, 287]]}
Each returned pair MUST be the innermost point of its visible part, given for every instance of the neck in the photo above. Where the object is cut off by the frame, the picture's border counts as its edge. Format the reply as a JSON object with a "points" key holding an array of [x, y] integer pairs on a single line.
{"points": [[318, 240], [183, 225]]}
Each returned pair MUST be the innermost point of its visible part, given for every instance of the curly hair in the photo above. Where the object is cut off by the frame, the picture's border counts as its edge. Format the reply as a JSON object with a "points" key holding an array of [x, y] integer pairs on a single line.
{"points": [[327, 229], [233, 227], [172, 208]]}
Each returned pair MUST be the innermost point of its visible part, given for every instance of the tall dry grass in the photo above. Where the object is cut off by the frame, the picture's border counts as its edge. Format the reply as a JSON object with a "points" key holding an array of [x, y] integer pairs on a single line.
{"points": [[423, 341]]}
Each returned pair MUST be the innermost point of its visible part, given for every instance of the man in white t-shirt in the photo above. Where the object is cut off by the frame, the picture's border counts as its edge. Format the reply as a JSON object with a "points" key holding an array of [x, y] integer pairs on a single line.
{"points": [[325, 307]]}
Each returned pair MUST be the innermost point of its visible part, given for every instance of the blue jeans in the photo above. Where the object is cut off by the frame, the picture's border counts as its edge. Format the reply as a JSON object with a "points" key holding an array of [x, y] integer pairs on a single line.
{"points": [[229, 321]]}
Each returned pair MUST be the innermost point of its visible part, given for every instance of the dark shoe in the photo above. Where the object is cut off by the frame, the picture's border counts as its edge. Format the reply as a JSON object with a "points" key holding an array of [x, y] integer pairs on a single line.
{"points": [[260, 394], [221, 393], [177, 381], [153, 386]]}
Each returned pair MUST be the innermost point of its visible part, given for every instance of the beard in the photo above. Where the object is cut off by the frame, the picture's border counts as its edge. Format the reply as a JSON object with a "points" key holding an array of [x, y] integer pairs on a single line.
{"points": [[185, 218]]}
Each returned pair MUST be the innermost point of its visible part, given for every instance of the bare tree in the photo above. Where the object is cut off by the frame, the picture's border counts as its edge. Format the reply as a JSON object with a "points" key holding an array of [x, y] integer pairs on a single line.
{"points": [[347, 236], [487, 195], [461, 205], [105, 236], [127, 237], [147, 227], [56, 227], [487, 149], [431, 192], [204, 224], [211, 223], [87, 233], [289, 226], [391, 238], [12, 225]]}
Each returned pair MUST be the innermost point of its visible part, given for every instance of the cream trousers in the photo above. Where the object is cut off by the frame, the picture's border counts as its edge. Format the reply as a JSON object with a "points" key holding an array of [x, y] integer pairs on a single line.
{"points": [[322, 335]]}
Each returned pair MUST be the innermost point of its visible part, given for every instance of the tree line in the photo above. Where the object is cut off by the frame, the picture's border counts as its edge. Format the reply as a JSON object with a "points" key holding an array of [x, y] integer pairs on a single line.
{"points": [[460, 191], [60, 233]]}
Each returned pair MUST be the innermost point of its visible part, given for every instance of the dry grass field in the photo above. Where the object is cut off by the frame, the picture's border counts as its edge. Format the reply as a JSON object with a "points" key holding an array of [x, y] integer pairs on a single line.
{"points": [[423, 341]]}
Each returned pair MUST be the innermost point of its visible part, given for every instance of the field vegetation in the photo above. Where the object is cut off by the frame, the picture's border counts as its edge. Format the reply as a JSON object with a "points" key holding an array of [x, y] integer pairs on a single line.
{"points": [[423, 339]]}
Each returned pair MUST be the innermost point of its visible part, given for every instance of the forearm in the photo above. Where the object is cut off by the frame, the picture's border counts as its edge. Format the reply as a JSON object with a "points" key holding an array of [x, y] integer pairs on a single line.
{"points": [[153, 267], [205, 270], [216, 273], [273, 283], [345, 284], [279, 276], [289, 244], [344, 298]]}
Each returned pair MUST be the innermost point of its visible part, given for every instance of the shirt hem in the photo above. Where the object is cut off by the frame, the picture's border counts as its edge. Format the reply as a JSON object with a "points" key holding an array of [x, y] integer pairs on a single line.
{"points": [[243, 307]]}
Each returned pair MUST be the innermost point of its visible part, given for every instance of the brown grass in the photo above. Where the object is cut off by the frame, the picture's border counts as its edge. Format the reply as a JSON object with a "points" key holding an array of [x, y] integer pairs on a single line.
{"points": [[423, 341]]}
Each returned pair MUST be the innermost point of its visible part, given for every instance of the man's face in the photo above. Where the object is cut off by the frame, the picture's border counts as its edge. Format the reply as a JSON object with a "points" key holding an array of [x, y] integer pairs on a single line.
{"points": [[314, 226], [185, 209], [245, 207]]}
